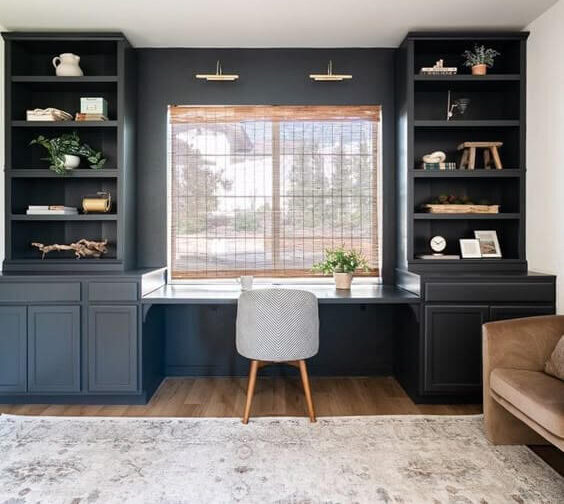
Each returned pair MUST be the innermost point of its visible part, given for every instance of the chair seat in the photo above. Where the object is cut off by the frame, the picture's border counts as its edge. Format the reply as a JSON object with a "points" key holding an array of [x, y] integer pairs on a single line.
{"points": [[536, 394]]}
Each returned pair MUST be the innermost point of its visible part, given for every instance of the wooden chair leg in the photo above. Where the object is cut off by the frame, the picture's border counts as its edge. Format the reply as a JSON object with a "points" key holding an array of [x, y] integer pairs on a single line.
{"points": [[487, 159], [496, 158], [307, 390], [472, 158], [250, 389], [464, 160]]}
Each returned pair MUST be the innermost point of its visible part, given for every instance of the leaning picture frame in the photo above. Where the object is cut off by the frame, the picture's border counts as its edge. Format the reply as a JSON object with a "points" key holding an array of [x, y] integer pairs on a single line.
{"points": [[470, 248], [489, 244]]}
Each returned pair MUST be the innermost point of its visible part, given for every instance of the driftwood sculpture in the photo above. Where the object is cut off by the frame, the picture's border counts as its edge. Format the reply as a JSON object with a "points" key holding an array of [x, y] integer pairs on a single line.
{"points": [[81, 248]]}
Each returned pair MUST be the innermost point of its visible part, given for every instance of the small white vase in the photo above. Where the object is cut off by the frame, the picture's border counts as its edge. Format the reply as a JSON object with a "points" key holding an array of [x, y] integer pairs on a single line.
{"points": [[343, 280], [71, 162], [66, 65]]}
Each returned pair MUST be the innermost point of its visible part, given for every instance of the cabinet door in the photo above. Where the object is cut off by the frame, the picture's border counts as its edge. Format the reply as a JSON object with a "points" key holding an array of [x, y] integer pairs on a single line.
{"points": [[54, 348], [112, 348], [453, 348], [505, 312], [13, 349]]}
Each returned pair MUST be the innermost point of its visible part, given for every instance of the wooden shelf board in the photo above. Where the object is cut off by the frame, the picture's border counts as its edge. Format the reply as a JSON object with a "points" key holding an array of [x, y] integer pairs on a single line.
{"points": [[78, 173], [464, 216], [64, 124], [466, 124], [79, 217], [479, 173]]}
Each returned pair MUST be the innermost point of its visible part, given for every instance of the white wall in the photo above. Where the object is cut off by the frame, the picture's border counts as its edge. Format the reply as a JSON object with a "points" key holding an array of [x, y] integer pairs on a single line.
{"points": [[545, 146], [2, 235]]}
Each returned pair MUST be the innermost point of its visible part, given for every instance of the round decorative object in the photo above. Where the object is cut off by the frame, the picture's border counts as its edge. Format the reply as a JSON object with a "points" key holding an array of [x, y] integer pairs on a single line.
{"points": [[434, 157], [480, 69], [71, 162], [438, 244]]}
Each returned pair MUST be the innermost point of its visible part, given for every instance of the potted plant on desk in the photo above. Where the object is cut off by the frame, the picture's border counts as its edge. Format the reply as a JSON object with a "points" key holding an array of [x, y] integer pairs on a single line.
{"points": [[341, 263]]}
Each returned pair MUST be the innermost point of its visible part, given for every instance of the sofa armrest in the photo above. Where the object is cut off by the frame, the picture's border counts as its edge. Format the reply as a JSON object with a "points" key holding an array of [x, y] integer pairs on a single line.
{"points": [[520, 343]]}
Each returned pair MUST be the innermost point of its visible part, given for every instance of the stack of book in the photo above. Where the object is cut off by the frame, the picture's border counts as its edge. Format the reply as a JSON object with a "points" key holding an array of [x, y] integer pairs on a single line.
{"points": [[90, 117], [439, 166], [48, 114], [438, 69], [51, 210]]}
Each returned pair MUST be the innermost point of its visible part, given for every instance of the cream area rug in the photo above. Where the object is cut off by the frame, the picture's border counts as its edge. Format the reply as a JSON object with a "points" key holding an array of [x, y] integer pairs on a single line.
{"points": [[390, 459]]}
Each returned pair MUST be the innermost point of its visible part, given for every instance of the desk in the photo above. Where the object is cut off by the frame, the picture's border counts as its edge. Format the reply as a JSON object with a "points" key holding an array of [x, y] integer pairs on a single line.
{"points": [[326, 294], [359, 328]]}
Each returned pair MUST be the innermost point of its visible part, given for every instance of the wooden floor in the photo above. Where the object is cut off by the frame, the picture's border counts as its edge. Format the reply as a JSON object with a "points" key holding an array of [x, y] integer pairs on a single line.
{"points": [[225, 397]]}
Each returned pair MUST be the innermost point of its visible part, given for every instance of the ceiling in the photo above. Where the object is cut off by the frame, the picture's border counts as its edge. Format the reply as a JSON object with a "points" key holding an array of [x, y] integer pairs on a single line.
{"points": [[268, 23]]}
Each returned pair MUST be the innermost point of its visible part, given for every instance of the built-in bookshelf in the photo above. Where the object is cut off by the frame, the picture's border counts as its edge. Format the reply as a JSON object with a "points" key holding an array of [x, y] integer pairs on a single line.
{"points": [[496, 113], [107, 61]]}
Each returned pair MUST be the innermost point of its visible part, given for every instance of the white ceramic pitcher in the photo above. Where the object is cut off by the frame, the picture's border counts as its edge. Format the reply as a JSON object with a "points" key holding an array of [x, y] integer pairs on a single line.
{"points": [[66, 65]]}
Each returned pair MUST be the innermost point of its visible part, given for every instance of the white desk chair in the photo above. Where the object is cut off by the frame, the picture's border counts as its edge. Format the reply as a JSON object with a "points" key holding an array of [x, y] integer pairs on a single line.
{"points": [[277, 326]]}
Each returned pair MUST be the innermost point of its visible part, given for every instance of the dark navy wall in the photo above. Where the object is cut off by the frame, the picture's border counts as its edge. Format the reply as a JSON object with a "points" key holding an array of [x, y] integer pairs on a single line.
{"points": [[267, 76]]}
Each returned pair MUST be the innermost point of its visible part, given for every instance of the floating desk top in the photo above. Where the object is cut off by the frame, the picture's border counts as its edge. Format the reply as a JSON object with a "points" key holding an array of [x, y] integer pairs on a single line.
{"points": [[327, 294]]}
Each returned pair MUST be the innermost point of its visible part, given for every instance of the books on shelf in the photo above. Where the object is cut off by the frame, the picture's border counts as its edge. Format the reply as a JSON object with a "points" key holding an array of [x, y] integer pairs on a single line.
{"points": [[439, 166], [48, 114], [51, 210], [90, 117]]}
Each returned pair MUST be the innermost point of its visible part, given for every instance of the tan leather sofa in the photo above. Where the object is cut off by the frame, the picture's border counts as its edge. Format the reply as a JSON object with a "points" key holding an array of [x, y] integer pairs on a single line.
{"points": [[522, 404]]}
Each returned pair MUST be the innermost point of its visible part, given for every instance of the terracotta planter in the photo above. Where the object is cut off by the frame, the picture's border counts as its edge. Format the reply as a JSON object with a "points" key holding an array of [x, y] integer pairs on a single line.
{"points": [[479, 69], [343, 280]]}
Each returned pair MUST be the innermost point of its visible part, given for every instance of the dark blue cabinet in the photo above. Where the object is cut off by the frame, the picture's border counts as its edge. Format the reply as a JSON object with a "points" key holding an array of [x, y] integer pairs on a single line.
{"points": [[53, 349], [13, 349], [112, 349]]}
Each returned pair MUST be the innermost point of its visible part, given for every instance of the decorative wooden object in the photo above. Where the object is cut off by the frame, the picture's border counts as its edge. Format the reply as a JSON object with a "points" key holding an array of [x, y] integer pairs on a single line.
{"points": [[81, 248], [468, 160], [460, 209]]}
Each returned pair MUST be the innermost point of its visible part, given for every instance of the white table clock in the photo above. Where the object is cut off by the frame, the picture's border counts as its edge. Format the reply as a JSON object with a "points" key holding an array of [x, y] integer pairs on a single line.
{"points": [[438, 245]]}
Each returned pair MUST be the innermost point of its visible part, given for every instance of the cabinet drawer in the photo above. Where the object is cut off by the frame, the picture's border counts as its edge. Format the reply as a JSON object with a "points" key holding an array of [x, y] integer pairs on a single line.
{"points": [[481, 292], [39, 291], [112, 291]]}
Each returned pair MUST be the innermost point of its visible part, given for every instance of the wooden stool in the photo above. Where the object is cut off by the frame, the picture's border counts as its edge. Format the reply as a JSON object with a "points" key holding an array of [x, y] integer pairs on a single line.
{"points": [[468, 160]]}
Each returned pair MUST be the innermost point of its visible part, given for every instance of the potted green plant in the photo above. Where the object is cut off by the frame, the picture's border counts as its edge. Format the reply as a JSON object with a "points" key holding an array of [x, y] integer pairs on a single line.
{"points": [[66, 150], [480, 59], [341, 263]]}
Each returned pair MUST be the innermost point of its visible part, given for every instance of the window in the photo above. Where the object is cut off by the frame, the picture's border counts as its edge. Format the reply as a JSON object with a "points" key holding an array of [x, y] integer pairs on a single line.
{"points": [[264, 190]]}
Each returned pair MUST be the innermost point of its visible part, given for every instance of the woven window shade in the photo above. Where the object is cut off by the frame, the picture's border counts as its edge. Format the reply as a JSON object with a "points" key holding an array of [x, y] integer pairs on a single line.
{"points": [[264, 190]]}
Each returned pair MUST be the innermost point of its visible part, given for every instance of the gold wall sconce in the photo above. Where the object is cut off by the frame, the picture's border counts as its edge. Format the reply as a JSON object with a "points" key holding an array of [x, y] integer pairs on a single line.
{"points": [[218, 75], [330, 76]]}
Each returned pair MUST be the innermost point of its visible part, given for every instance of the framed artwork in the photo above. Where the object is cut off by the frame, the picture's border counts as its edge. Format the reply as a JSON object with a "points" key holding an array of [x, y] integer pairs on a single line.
{"points": [[470, 248], [489, 244]]}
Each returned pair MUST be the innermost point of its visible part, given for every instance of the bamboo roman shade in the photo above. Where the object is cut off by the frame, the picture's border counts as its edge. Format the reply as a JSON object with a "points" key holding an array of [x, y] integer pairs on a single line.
{"points": [[264, 190]]}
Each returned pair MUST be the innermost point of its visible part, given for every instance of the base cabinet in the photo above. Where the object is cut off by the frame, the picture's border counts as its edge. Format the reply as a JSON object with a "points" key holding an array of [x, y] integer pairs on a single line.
{"points": [[453, 348], [53, 349], [13, 349], [112, 349]]}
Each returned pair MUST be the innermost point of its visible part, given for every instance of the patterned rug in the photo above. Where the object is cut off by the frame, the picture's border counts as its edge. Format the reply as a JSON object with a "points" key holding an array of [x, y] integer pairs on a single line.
{"points": [[386, 459]]}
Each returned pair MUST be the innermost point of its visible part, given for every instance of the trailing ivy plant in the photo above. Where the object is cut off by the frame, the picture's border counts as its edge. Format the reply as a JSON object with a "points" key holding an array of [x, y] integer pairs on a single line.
{"points": [[480, 56], [68, 144], [341, 260]]}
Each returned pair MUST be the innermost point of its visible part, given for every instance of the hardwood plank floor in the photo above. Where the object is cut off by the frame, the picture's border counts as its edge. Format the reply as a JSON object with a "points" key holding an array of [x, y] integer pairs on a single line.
{"points": [[280, 396]]}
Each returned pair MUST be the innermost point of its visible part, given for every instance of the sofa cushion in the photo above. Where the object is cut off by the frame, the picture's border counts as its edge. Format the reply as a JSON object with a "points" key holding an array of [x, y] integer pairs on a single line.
{"points": [[536, 394], [555, 364]]}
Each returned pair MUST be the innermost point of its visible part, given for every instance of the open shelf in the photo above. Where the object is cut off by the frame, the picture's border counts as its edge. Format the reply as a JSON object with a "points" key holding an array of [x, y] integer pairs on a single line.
{"points": [[457, 123], [71, 174], [465, 216], [79, 217], [48, 79], [505, 173], [64, 124], [468, 78]]}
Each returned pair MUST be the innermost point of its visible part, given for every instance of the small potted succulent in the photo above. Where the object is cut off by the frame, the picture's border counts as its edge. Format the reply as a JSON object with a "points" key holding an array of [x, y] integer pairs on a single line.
{"points": [[341, 263], [480, 59], [66, 150]]}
